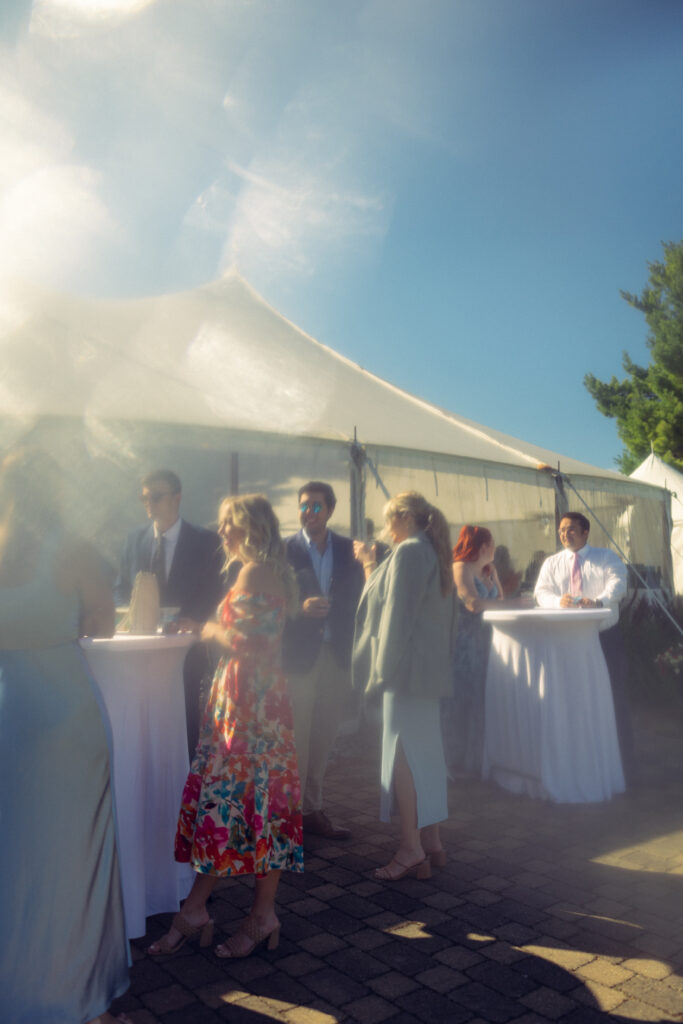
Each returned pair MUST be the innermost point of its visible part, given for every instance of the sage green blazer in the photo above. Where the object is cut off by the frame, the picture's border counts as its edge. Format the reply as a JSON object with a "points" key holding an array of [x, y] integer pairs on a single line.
{"points": [[405, 627]]}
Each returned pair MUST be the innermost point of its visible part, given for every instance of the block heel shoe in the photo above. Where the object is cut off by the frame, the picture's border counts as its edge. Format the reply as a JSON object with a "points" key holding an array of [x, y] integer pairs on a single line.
{"points": [[229, 950]]}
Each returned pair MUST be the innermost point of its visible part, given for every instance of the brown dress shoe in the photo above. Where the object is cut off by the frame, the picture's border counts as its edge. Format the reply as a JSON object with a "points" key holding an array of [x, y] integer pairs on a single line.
{"points": [[318, 824]]}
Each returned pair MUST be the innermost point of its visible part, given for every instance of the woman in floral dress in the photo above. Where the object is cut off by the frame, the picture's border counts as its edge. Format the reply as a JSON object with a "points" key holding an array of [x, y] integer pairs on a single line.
{"points": [[241, 806]]}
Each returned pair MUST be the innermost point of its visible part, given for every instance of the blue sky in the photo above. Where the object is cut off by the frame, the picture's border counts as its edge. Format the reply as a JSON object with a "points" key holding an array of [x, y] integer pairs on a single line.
{"points": [[449, 192]]}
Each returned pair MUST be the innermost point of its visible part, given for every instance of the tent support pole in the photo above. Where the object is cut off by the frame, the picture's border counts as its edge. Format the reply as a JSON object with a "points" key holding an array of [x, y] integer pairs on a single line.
{"points": [[234, 473], [357, 482]]}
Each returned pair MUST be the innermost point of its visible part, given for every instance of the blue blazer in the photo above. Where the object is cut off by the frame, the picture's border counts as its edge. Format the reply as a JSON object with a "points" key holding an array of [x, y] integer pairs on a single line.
{"points": [[303, 637], [195, 583]]}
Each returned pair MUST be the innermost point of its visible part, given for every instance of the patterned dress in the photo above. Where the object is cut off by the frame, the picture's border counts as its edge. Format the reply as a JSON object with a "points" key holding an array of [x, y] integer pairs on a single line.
{"points": [[241, 806], [462, 715]]}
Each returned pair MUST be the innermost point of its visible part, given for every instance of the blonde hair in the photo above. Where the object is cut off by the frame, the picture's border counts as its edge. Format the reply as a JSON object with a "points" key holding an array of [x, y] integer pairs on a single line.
{"points": [[433, 523], [262, 542]]}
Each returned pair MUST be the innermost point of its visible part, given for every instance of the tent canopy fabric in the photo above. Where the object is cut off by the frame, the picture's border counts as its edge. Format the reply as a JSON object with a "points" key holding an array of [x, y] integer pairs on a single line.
{"points": [[217, 385], [220, 356]]}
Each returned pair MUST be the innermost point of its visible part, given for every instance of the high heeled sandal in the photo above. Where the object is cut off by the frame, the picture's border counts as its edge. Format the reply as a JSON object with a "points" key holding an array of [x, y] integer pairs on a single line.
{"points": [[187, 931], [255, 934], [423, 869]]}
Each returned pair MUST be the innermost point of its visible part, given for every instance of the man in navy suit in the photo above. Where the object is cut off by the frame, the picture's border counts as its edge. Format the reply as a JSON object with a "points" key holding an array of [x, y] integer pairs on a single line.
{"points": [[188, 563], [317, 645]]}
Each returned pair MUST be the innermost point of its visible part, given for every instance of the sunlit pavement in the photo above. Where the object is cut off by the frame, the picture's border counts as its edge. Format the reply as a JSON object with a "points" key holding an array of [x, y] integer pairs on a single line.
{"points": [[543, 912]]}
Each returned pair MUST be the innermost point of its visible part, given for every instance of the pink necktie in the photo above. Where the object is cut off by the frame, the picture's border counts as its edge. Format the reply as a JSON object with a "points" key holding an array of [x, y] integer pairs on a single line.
{"points": [[576, 585]]}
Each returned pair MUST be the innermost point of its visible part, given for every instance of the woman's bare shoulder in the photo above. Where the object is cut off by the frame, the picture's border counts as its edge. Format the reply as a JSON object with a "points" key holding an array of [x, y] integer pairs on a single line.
{"points": [[259, 578]]}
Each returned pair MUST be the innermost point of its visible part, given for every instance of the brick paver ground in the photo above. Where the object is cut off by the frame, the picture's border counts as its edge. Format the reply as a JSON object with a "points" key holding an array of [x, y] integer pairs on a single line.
{"points": [[543, 913]]}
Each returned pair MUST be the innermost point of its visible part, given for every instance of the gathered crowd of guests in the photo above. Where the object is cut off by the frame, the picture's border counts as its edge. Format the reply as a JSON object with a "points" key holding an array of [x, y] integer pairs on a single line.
{"points": [[301, 624]]}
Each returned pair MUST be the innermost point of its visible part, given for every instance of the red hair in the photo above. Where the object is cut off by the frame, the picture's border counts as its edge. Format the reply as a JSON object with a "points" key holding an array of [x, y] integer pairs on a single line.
{"points": [[470, 542]]}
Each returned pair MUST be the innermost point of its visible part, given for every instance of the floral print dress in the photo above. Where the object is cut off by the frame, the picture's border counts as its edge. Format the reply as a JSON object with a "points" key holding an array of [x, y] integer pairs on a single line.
{"points": [[241, 806]]}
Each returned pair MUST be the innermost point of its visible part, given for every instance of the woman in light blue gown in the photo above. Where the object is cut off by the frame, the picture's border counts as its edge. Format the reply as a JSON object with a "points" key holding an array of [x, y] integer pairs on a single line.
{"points": [[63, 950]]}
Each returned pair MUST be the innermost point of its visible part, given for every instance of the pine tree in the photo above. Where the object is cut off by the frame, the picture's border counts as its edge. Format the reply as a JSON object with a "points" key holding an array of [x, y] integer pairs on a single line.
{"points": [[648, 403]]}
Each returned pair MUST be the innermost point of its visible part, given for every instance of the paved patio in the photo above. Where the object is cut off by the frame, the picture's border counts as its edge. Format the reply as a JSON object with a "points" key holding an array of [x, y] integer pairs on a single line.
{"points": [[543, 913]]}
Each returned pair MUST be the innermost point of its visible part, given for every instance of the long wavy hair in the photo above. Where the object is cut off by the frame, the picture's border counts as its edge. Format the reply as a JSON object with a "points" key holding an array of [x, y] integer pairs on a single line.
{"points": [[262, 542], [432, 522], [471, 540]]}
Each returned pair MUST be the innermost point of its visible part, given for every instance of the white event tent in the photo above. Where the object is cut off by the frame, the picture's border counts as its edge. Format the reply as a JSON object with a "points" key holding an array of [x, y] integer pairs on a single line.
{"points": [[217, 385], [654, 470]]}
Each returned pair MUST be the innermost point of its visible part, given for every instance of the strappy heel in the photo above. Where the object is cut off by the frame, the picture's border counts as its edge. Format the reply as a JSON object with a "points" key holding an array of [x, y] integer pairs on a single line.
{"points": [[423, 869], [187, 931]]}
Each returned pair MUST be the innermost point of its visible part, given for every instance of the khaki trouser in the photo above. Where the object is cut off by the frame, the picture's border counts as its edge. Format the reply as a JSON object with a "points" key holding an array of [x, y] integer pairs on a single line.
{"points": [[319, 698]]}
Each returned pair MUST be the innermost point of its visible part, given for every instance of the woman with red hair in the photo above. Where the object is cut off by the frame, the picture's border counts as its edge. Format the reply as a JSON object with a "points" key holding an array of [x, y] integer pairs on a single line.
{"points": [[478, 588]]}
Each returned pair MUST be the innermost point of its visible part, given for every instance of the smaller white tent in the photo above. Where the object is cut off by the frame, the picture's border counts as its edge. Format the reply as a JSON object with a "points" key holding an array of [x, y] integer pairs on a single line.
{"points": [[655, 471]]}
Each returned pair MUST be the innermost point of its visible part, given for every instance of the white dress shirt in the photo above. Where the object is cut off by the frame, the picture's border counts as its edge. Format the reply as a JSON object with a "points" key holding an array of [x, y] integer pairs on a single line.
{"points": [[603, 578]]}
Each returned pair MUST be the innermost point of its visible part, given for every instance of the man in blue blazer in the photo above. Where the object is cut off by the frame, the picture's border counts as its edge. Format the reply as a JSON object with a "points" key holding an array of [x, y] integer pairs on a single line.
{"points": [[188, 562], [317, 645]]}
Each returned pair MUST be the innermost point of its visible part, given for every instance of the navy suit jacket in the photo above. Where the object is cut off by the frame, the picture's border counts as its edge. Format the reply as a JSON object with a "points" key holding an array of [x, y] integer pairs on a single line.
{"points": [[303, 636], [195, 583]]}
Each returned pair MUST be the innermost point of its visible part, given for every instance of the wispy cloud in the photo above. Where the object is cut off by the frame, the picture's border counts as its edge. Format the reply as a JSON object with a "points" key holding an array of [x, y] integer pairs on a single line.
{"points": [[184, 139], [287, 216]]}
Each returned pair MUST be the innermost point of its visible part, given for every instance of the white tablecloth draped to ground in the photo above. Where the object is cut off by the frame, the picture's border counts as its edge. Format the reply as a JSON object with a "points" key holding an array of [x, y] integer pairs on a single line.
{"points": [[141, 682], [550, 730]]}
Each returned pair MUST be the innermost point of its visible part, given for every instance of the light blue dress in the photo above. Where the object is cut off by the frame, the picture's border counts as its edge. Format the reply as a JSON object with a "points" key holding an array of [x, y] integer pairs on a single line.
{"points": [[462, 715], [412, 645], [63, 951]]}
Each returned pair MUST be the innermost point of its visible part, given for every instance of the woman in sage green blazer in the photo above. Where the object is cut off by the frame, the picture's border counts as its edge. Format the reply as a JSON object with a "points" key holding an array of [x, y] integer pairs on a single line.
{"points": [[403, 648]]}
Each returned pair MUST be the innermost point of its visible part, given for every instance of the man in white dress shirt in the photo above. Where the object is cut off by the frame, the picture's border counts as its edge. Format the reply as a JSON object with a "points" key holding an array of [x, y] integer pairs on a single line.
{"points": [[582, 576]]}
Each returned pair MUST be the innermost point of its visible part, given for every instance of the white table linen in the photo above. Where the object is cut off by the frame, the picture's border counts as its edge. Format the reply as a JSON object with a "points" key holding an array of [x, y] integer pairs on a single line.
{"points": [[550, 729], [140, 679]]}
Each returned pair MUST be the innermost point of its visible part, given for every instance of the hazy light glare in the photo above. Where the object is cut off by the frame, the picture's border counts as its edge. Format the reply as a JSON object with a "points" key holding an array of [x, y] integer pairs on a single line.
{"points": [[51, 222], [64, 19], [13, 315], [30, 137], [91, 8]]}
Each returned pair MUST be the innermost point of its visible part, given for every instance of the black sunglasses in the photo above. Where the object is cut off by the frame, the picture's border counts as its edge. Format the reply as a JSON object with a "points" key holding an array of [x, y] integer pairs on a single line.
{"points": [[153, 499]]}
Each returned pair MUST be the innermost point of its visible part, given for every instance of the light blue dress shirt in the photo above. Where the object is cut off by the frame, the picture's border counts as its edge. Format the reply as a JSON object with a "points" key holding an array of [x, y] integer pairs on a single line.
{"points": [[322, 567]]}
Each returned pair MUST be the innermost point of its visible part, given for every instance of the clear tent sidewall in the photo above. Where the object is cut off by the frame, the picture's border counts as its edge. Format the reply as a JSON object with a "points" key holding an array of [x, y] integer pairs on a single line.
{"points": [[102, 461]]}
